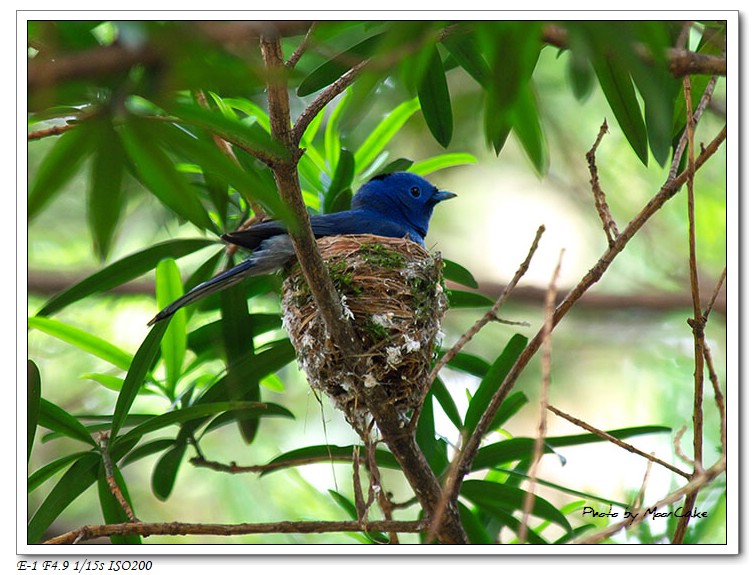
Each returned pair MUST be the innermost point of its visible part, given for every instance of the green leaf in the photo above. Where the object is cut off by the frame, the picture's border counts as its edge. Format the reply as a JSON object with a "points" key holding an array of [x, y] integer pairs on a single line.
{"points": [[473, 526], [492, 380], [158, 173], [441, 162], [140, 366], [74, 482], [457, 273], [83, 340], [508, 409], [398, 165], [435, 100], [464, 49], [504, 452], [166, 471], [457, 299], [338, 196], [173, 345], [201, 411], [44, 473], [325, 453], [238, 342], [105, 198], [383, 134], [57, 419], [621, 96], [58, 167], [33, 402], [334, 68], [332, 137], [112, 511], [469, 363], [123, 271], [509, 500], [111, 382], [433, 449], [147, 449], [528, 128], [441, 393]]}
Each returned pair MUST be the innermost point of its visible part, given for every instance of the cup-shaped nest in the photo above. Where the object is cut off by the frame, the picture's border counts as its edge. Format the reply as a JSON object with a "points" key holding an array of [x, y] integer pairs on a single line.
{"points": [[391, 290]]}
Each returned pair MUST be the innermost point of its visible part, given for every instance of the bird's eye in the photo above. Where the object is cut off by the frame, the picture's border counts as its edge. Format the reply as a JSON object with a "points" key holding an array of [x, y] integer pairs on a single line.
{"points": [[414, 191]]}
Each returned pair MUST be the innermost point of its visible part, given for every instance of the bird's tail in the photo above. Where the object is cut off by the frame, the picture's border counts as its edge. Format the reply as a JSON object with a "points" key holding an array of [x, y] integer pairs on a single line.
{"points": [[272, 255]]}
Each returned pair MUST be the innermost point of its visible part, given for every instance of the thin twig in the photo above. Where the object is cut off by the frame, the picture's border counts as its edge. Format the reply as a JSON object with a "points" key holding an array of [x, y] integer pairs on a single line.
{"points": [[537, 452], [643, 486], [103, 438], [491, 314], [51, 131], [294, 58], [89, 532], [359, 504], [697, 322], [678, 448], [714, 295], [719, 397], [617, 441], [601, 204]]}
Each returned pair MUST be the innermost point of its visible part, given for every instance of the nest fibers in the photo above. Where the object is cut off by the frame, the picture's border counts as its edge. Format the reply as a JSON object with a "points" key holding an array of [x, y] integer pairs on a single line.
{"points": [[391, 290]]}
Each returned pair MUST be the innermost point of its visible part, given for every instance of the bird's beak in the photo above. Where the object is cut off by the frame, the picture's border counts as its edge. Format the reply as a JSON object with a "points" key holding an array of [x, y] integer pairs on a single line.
{"points": [[441, 196]]}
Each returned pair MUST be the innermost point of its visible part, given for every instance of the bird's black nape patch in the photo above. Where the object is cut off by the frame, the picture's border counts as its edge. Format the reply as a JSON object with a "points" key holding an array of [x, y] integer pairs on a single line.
{"points": [[380, 177]]}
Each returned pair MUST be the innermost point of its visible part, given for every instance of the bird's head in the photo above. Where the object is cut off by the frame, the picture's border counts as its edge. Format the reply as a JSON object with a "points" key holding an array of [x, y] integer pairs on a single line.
{"points": [[402, 197]]}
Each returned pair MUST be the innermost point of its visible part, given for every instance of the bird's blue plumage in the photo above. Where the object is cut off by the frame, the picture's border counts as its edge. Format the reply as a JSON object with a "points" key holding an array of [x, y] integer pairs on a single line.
{"points": [[394, 205]]}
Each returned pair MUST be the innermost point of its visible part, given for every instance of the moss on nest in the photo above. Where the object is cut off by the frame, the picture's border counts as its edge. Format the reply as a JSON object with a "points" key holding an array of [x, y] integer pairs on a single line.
{"points": [[391, 290]]}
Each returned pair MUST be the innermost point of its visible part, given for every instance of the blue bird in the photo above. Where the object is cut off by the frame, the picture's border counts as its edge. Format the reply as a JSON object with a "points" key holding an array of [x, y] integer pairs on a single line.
{"points": [[394, 205]]}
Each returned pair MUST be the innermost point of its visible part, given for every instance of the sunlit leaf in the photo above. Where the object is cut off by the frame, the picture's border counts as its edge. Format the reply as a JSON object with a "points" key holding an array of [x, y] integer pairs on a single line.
{"points": [[83, 340], [168, 288], [441, 162], [383, 134]]}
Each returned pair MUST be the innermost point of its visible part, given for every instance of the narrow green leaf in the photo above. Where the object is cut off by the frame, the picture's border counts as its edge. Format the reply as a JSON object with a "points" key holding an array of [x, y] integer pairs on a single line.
{"points": [[74, 482], [44, 473], [474, 527], [166, 471], [238, 342], [33, 401], [147, 449], [508, 409], [105, 198], [254, 112], [441, 162], [325, 453], [492, 381], [435, 101], [458, 298], [140, 366], [528, 128], [441, 393], [336, 198], [112, 511], [504, 452], [621, 96], [464, 49], [123, 271], [57, 419], [457, 273], [334, 68], [158, 173], [510, 500], [173, 345], [470, 364], [58, 167], [111, 382], [201, 411], [433, 449], [398, 165], [83, 340], [374, 144], [580, 75], [332, 137]]}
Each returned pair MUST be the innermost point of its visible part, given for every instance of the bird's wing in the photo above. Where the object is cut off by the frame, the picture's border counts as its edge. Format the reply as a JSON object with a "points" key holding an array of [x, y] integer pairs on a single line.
{"points": [[253, 236]]}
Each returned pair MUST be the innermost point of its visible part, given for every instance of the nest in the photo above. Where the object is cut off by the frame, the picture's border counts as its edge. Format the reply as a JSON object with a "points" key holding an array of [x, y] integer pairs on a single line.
{"points": [[391, 290]]}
